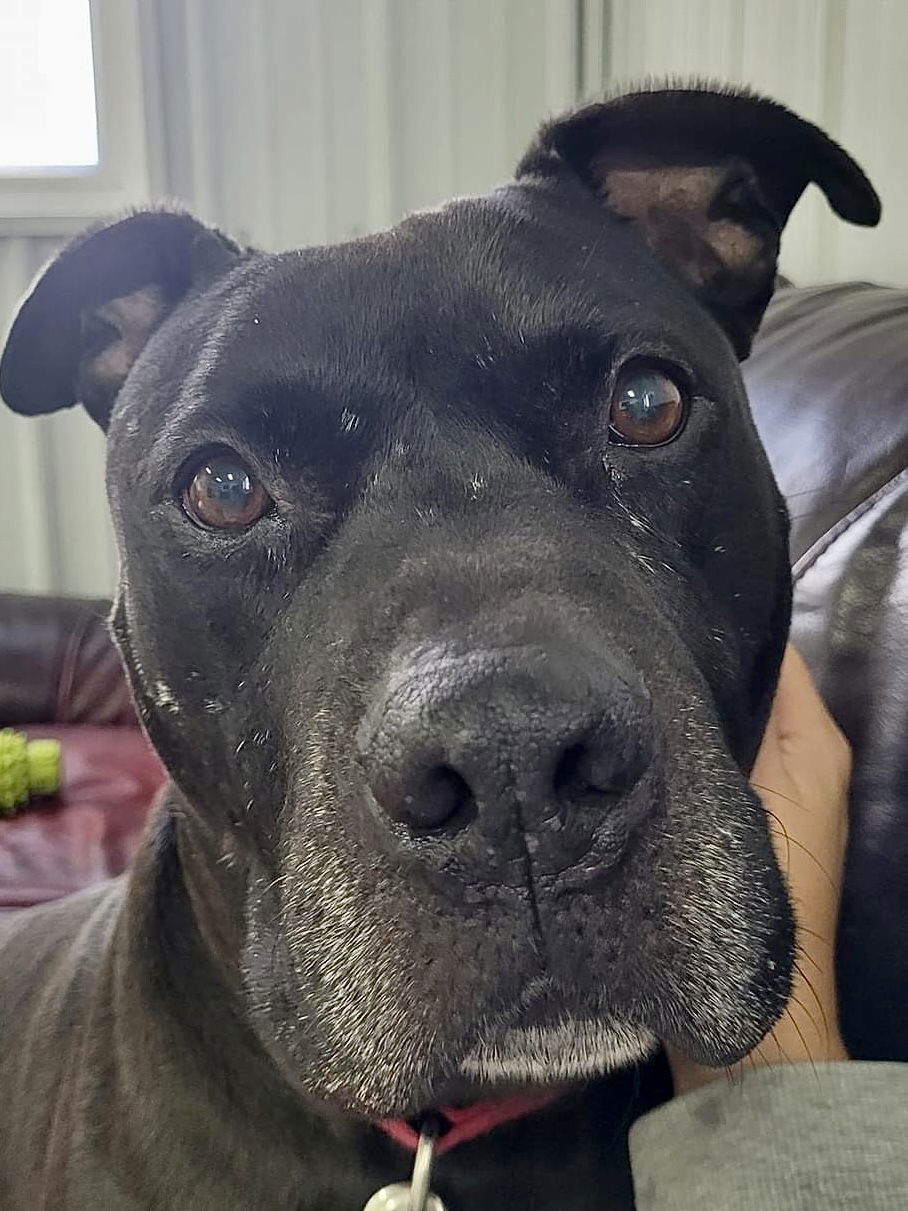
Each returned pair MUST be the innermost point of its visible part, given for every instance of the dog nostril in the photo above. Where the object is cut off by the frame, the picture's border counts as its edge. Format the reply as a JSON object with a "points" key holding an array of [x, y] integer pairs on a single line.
{"points": [[441, 799], [583, 772]]}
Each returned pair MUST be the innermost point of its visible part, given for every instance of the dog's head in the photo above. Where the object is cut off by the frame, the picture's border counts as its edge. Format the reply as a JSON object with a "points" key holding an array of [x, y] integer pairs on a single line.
{"points": [[453, 590]]}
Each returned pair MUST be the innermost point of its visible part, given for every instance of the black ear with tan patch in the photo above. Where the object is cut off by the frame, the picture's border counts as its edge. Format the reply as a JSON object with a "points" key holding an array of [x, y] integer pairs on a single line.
{"points": [[709, 178], [91, 311]]}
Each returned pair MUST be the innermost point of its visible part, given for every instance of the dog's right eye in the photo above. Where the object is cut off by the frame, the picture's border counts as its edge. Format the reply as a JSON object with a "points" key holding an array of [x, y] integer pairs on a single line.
{"points": [[647, 407], [223, 494]]}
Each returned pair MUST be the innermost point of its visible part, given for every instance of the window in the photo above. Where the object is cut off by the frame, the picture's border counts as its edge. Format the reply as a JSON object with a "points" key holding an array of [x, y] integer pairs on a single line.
{"points": [[48, 115], [73, 139]]}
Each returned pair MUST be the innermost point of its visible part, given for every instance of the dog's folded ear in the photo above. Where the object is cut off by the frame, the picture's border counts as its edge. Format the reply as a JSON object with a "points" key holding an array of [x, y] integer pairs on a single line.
{"points": [[709, 178], [88, 316]]}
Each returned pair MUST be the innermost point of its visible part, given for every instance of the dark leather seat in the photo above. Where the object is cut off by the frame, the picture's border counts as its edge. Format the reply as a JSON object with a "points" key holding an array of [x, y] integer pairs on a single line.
{"points": [[828, 381], [61, 677]]}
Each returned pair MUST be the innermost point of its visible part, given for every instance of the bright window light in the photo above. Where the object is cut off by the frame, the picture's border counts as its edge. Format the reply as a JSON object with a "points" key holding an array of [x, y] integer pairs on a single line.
{"points": [[48, 115]]}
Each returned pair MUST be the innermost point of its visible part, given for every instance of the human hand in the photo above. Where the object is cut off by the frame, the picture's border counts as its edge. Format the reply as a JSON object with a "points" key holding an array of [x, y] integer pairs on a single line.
{"points": [[801, 774]]}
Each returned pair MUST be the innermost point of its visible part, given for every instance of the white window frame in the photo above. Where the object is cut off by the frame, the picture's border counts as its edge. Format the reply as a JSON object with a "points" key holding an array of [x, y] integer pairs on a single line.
{"points": [[66, 200]]}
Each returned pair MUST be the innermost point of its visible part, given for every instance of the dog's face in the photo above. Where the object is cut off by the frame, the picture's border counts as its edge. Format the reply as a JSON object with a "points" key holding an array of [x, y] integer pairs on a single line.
{"points": [[453, 588]]}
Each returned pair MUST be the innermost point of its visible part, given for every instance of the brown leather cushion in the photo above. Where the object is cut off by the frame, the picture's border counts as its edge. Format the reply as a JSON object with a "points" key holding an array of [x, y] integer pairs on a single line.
{"points": [[89, 831], [58, 664], [828, 381]]}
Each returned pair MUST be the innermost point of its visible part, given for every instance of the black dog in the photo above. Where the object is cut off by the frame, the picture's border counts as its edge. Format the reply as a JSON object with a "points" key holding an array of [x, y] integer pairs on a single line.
{"points": [[453, 589]]}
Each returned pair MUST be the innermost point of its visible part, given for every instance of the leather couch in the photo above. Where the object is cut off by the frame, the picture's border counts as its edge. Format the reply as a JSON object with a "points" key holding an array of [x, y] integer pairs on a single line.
{"points": [[828, 380], [61, 677]]}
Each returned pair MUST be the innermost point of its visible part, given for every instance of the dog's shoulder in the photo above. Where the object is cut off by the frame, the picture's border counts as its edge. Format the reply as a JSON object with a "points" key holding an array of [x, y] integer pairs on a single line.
{"points": [[49, 955], [36, 937]]}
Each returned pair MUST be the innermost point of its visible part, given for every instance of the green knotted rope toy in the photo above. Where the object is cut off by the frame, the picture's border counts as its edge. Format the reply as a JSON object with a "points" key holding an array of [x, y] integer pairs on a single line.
{"points": [[28, 768]]}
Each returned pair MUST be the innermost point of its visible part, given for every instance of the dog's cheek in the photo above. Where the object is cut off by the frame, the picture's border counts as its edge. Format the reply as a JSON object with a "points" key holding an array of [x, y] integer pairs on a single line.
{"points": [[745, 565], [693, 938], [718, 555], [727, 940], [207, 709]]}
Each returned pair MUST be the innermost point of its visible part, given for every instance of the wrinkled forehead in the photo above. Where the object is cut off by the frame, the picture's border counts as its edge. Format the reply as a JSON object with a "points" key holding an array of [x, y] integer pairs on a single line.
{"points": [[442, 283], [482, 295]]}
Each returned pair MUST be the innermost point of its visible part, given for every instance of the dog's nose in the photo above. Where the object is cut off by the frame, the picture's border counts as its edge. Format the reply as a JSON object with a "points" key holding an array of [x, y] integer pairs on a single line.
{"points": [[548, 733]]}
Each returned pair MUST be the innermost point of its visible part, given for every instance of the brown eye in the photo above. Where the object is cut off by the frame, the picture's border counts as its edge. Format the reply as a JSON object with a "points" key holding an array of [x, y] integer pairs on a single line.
{"points": [[647, 408], [224, 495]]}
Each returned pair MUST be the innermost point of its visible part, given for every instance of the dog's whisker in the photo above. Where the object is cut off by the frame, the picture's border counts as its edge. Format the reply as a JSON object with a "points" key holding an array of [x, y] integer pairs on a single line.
{"points": [[804, 850], [804, 954], [785, 834], [788, 799], [807, 1049], [833, 883], [813, 934], [815, 994], [793, 1000]]}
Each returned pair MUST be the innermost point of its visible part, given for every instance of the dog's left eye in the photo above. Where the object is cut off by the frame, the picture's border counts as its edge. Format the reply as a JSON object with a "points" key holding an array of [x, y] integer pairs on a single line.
{"points": [[223, 494], [647, 408]]}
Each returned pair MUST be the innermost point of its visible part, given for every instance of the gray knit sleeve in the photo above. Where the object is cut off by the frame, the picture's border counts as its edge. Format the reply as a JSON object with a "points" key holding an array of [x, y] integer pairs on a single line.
{"points": [[833, 1137]]}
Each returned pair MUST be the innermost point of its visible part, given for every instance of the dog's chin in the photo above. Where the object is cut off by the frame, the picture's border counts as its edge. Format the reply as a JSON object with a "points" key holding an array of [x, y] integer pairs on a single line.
{"points": [[569, 1050], [524, 1058]]}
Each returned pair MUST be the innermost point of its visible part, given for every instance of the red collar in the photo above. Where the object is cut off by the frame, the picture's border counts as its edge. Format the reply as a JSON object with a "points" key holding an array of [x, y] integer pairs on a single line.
{"points": [[463, 1123]]}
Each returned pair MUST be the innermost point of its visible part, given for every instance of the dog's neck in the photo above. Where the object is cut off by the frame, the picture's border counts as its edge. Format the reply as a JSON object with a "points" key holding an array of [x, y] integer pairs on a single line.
{"points": [[173, 986]]}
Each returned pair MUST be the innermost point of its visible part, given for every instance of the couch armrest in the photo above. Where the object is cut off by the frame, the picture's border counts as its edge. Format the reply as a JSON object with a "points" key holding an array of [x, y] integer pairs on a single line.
{"points": [[58, 663]]}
